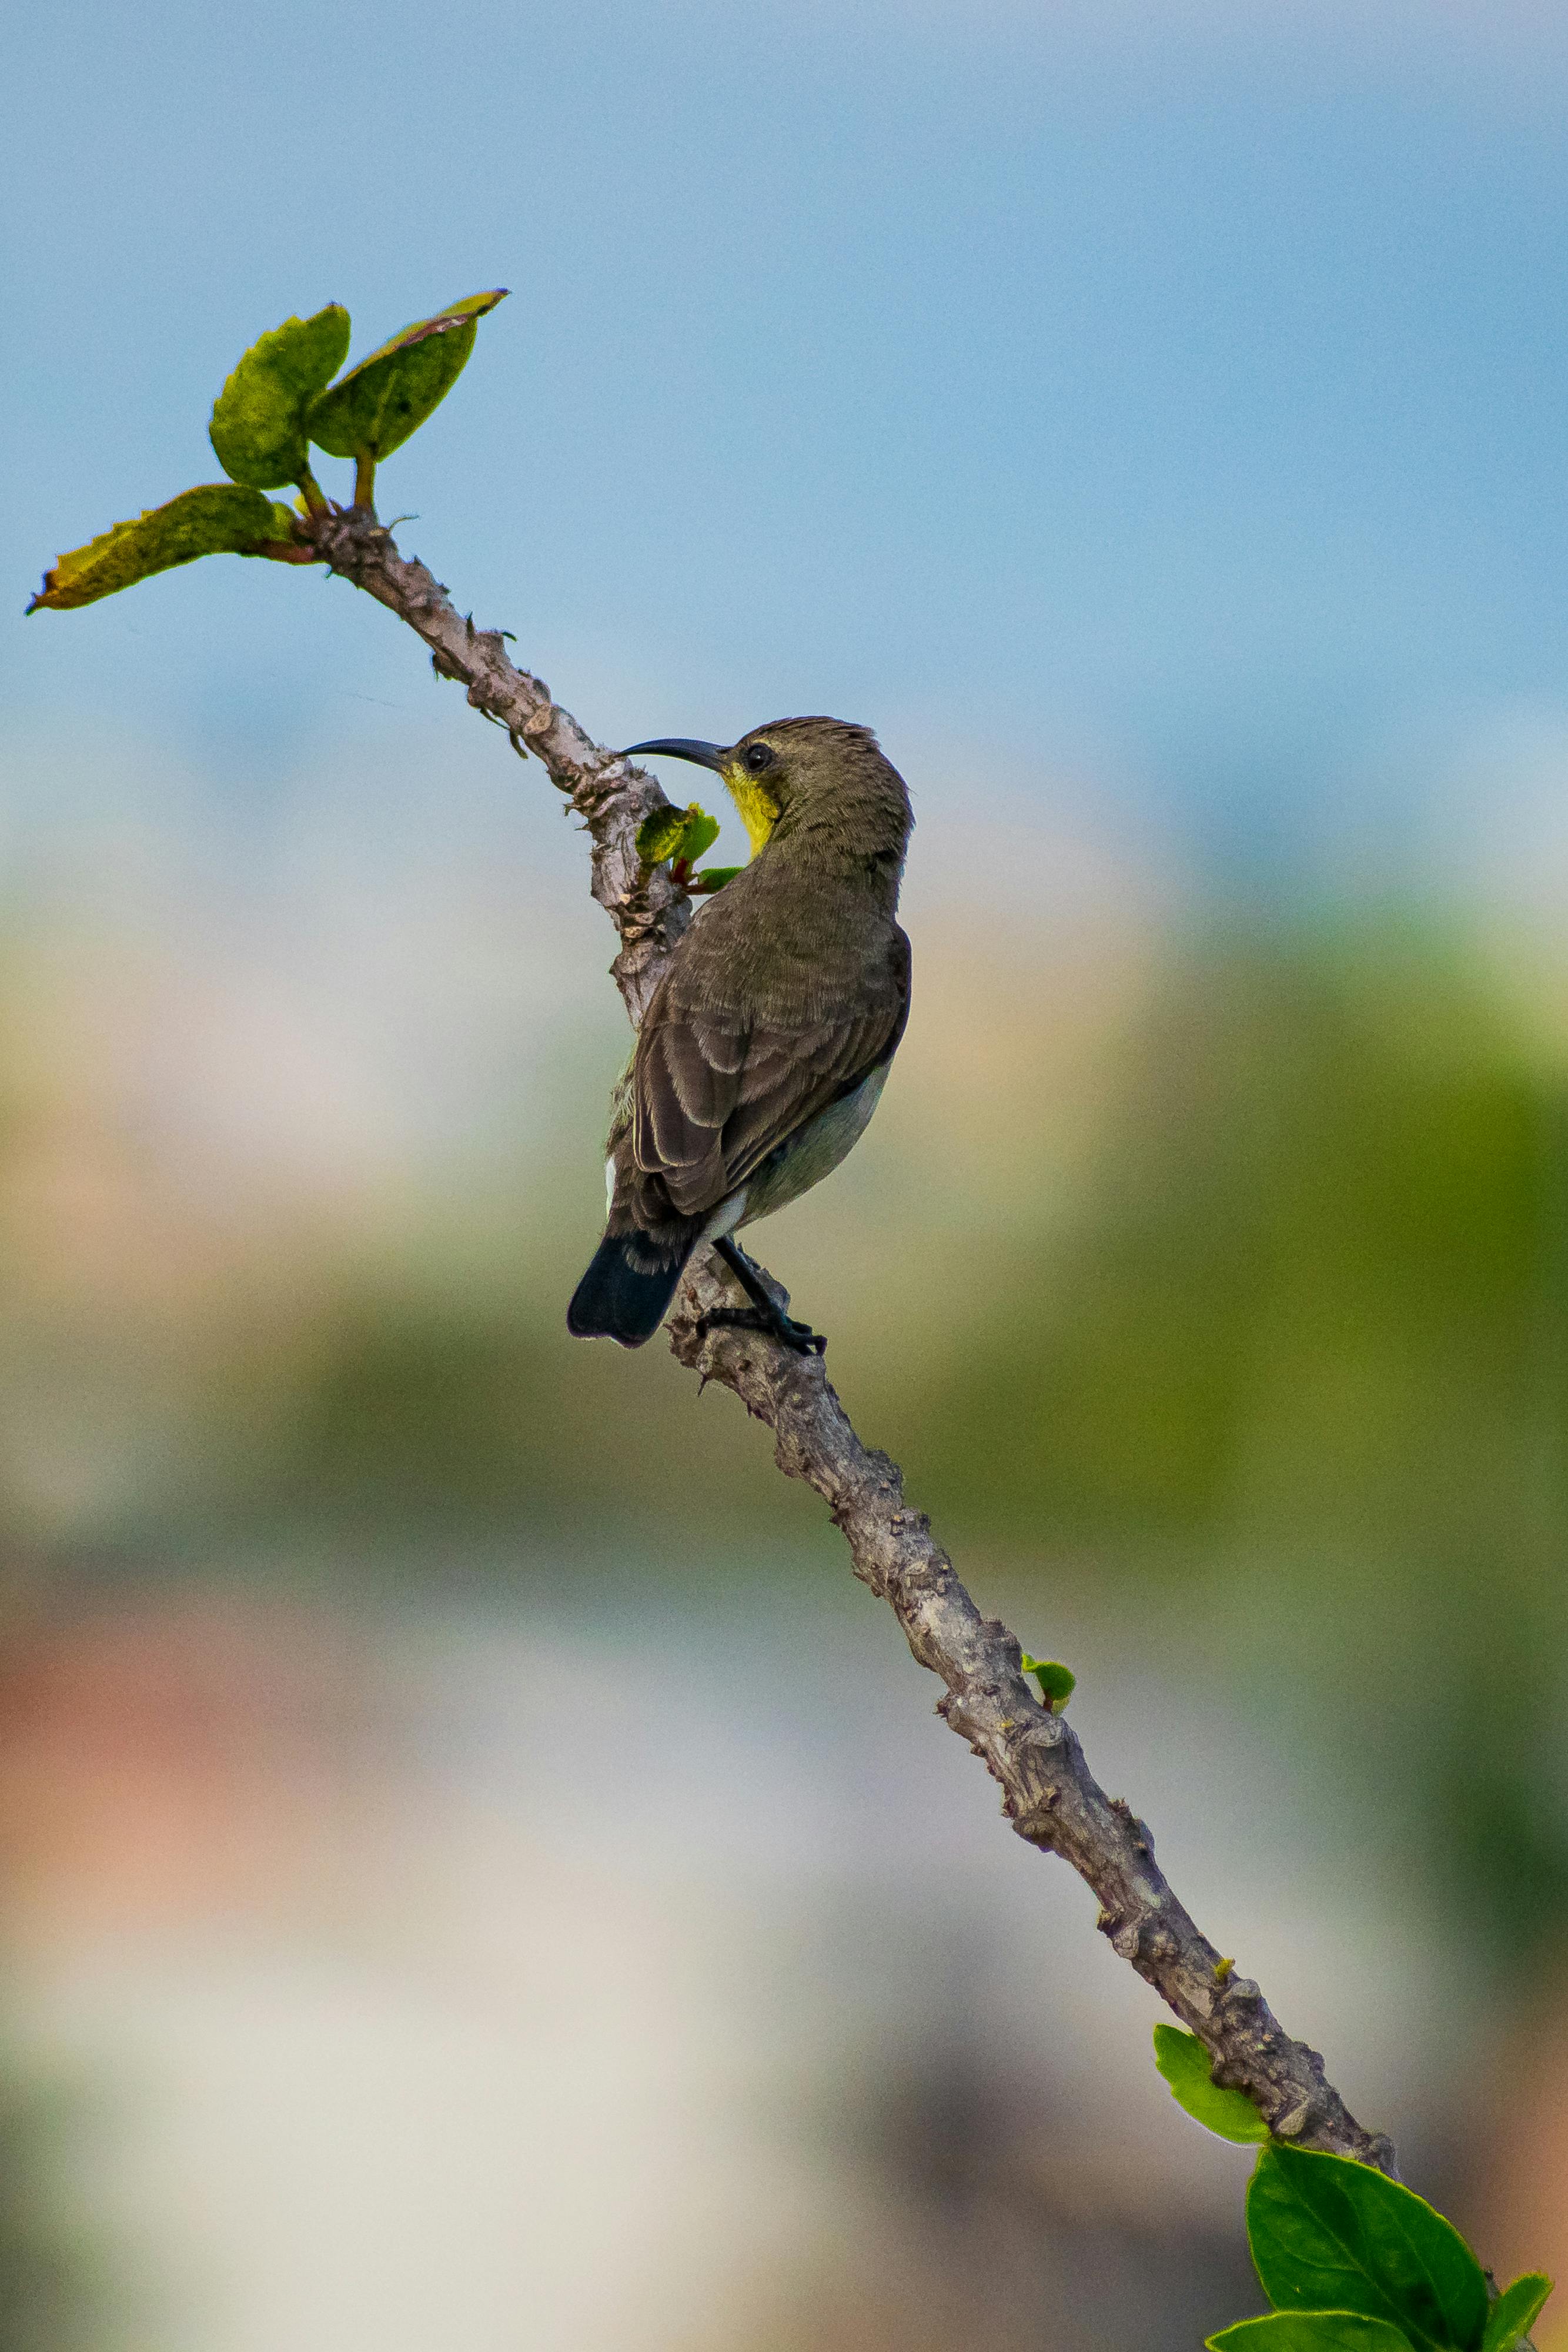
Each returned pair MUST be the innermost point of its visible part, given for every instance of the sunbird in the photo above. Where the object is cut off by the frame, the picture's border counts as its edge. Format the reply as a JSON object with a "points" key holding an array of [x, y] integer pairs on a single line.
{"points": [[768, 1039]]}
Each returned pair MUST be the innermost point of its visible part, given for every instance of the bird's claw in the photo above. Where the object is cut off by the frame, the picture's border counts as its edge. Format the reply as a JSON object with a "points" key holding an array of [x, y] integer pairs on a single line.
{"points": [[778, 1326]]}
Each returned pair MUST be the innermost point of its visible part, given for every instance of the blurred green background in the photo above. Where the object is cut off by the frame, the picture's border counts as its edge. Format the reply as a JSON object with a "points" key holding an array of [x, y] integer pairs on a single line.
{"points": [[1205, 1268], [477, 1869]]}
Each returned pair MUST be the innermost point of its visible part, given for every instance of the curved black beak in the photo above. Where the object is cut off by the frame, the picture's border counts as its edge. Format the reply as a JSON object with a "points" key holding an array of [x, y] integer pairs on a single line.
{"points": [[683, 747]]}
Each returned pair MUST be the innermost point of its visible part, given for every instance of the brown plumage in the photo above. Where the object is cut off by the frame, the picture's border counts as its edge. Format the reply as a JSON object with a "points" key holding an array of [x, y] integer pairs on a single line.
{"points": [[766, 1044]]}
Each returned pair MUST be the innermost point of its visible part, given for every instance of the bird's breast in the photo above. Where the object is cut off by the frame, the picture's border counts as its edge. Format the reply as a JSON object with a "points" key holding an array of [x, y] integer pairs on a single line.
{"points": [[813, 1150]]}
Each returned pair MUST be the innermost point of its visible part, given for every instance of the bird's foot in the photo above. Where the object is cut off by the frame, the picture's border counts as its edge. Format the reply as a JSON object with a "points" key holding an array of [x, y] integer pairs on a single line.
{"points": [[763, 1314], [777, 1325]]}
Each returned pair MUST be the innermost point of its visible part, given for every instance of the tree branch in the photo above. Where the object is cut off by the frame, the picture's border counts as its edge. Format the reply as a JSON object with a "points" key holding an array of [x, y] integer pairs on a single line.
{"points": [[1047, 1790]]}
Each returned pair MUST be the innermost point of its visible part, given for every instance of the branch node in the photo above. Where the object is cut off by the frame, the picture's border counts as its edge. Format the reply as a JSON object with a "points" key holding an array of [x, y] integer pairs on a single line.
{"points": [[1033, 1821]]}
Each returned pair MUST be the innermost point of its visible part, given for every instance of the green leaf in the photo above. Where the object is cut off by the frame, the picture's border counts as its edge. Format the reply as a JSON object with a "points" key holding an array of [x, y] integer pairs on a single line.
{"points": [[714, 877], [701, 832], [219, 519], [258, 418], [677, 833], [1185, 2064], [1056, 1682], [1330, 2234], [659, 835], [1309, 2331], [1515, 2312], [373, 410]]}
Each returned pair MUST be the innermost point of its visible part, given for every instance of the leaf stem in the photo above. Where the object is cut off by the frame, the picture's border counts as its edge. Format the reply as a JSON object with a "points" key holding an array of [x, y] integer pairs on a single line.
{"points": [[310, 489], [365, 482]]}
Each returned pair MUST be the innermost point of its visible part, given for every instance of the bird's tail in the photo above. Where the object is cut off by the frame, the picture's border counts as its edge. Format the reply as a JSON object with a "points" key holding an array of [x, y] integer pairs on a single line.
{"points": [[626, 1290]]}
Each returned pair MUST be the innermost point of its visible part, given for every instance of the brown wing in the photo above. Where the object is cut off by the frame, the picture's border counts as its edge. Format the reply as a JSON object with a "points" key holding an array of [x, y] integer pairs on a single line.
{"points": [[714, 1093]]}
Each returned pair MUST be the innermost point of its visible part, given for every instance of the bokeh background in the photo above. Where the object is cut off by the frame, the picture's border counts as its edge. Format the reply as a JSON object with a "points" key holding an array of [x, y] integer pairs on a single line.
{"points": [[477, 1871]]}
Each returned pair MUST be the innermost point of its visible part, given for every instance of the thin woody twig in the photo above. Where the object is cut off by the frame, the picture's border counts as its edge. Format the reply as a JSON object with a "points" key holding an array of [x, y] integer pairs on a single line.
{"points": [[1047, 1790]]}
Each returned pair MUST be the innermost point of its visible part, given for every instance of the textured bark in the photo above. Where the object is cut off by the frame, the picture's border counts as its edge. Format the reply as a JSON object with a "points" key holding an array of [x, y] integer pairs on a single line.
{"points": [[1047, 1792]]}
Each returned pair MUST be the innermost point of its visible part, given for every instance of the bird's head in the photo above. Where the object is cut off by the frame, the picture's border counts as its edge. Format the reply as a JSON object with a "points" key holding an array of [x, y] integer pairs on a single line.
{"points": [[774, 771]]}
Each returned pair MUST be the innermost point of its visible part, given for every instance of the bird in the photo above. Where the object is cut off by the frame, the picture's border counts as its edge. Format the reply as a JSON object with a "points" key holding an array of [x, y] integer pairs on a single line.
{"points": [[768, 1041]]}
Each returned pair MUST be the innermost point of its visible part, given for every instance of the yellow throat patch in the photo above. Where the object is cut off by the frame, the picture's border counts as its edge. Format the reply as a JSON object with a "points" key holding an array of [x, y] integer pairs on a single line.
{"points": [[759, 808]]}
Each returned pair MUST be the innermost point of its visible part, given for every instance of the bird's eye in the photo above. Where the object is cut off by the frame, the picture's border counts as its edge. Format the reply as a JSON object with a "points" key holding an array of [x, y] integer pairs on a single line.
{"points": [[756, 757]]}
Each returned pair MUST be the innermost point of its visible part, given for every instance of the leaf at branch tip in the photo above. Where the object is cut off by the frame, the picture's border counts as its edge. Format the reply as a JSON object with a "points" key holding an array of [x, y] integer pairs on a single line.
{"points": [[1328, 2233], [259, 419], [1056, 1682], [1515, 2312], [1183, 2063], [712, 878], [219, 519], [371, 411], [1309, 2331]]}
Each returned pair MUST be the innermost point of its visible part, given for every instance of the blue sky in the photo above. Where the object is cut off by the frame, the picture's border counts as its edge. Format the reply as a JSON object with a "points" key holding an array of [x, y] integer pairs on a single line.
{"points": [[1138, 396]]}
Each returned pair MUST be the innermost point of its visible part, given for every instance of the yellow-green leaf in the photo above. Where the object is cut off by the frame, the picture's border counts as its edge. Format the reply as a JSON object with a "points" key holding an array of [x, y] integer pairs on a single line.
{"points": [[677, 833], [659, 835], [258, 420], [219, 519], [1184, 2064], [701, 832], [1511, 2318], [373, 410], [1056, 1682]]}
